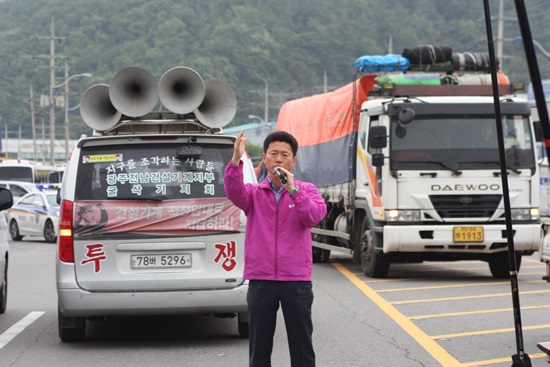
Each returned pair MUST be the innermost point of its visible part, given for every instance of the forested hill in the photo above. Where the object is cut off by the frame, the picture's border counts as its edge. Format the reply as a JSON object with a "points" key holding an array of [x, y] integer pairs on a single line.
{"points": [[294, 47]]}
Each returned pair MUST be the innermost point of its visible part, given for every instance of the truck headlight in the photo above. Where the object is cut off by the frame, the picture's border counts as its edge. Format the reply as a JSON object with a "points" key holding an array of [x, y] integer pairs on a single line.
{"points": [[525, 214], [395, 215]]}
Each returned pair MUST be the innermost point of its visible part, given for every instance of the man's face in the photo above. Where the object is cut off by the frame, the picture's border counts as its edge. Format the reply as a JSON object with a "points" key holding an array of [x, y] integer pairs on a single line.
{"points": [[278, 154], [88, 215]]}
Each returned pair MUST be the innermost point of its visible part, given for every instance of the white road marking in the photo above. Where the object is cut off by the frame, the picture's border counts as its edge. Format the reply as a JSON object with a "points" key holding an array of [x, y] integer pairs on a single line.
{"points": [[13, 331]]}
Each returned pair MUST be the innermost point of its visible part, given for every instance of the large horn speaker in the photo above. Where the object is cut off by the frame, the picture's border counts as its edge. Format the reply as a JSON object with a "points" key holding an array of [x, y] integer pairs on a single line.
{"points": [[181, 90], [219, 105], [134, 92], [96, 108]]}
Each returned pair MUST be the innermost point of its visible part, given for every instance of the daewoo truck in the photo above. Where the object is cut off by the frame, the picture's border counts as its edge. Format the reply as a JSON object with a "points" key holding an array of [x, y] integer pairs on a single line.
{"points": [[411, 172]]}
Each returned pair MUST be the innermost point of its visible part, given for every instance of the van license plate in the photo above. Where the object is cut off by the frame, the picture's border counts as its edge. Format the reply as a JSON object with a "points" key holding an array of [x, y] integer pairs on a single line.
{"points": [[161, 261], [468, 234]]}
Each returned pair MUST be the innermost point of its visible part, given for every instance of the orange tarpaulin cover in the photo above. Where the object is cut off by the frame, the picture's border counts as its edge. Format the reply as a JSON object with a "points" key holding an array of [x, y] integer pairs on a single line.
{"points": [[324, 117]]}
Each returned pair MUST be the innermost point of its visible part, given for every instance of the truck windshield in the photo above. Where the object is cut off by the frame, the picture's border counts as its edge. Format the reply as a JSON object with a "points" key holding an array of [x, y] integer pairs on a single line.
{"points": [[455, 143]]}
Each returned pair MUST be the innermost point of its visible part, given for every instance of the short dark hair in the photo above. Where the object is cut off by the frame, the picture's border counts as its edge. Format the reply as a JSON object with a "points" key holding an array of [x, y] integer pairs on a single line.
{"points": [[84, 209], [281, 136]]}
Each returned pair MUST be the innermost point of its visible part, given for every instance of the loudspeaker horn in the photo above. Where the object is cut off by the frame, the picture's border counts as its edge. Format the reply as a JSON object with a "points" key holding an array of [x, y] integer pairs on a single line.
{"points": [[181, 90], [219, 105], [134, 91], [96, 108]]}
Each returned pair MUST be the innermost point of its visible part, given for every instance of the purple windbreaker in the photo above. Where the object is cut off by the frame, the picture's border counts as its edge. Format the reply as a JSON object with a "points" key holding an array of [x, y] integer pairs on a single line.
{"points": [[278, 237]]}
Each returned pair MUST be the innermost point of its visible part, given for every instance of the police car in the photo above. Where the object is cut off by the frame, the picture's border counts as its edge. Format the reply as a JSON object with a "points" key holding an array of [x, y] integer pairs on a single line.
{"points": [[18, 188], [35, 214]]}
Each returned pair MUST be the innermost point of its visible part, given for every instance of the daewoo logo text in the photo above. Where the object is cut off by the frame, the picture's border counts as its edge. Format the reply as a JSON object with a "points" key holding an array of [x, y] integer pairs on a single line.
{"points": [[469, 187]]}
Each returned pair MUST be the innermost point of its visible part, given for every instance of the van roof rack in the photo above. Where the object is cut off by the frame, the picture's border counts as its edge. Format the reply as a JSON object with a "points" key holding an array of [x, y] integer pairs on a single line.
{"points": [[159, 123]]}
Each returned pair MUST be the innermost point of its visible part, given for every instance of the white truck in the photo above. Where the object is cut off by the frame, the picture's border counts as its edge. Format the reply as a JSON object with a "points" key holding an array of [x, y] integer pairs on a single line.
{"points": [[544, 250], [411, 173]]}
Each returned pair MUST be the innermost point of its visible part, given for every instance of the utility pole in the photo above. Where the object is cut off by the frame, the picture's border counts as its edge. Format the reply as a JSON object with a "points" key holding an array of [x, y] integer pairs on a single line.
{"points": [[52, 104], [66, 111], [500, 33], [52, 38], [19, 143], [266, 103], [33, 123]]}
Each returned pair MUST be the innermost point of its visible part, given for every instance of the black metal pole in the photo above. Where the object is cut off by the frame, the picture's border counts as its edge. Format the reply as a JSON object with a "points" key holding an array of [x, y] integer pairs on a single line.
{"points": [[505, 190], [533, 66]]}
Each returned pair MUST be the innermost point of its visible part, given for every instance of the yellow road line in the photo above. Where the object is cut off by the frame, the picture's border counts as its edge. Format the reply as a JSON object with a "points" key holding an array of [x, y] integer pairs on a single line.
{"points": [[523, 308], [499, 360], [452, 286], [413, 279], [485, 332], [464, 297], [432, 269], [434, 349]]}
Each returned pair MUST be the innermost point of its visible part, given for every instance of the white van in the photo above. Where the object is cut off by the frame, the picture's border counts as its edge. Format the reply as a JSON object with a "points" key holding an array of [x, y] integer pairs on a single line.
{"points": [[145, 226], [6, 201]]}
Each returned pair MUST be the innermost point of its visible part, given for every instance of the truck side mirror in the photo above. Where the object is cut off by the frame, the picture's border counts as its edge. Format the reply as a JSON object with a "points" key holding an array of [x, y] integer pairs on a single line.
{"points": [[377, 159], [378, 136]]}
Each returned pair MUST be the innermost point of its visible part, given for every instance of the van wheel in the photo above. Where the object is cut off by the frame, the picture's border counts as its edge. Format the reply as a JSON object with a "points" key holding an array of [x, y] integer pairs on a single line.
{"points": [[71, 329], [49, 232], [243, 324], [4, 290], [14, 231], [373, 263], [499, 265]]}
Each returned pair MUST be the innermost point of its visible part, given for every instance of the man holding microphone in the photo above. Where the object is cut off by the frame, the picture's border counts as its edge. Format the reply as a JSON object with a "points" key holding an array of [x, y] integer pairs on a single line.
{"points": [[278, 251]]}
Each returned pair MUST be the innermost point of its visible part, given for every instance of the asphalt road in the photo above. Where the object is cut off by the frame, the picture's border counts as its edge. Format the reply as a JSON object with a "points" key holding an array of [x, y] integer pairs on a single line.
{"points": [[429, 314]]}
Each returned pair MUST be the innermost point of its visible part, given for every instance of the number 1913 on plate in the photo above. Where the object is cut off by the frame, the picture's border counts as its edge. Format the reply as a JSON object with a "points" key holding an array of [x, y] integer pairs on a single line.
{"points": [[468, 234], [160, 261]]}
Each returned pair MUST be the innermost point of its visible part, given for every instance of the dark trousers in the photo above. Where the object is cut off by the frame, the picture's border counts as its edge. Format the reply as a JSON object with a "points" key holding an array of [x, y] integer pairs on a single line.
{"points": [[295, 298]]}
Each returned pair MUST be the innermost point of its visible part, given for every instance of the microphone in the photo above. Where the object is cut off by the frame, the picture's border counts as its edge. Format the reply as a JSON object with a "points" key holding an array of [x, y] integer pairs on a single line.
{"points": [[281, 175]]}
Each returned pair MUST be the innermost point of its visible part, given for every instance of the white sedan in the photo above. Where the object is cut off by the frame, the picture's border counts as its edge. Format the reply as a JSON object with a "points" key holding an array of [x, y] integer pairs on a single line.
{"points": [[35, 214]]}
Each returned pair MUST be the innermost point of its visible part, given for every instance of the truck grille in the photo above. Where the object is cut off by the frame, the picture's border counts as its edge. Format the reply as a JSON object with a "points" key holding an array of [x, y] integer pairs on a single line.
{"points": [[465, 206]]}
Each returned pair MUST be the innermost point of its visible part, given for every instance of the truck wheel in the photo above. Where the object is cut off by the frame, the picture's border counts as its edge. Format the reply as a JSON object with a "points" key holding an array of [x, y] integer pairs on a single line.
{"points": [[356, 240], [320, 255], [499, 265], [243, 324], [71, 329], [374, 264]]}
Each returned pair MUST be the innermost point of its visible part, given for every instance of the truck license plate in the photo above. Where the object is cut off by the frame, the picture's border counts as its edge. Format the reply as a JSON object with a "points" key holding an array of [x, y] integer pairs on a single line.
{"points": [[161, 261], [468, 234]]}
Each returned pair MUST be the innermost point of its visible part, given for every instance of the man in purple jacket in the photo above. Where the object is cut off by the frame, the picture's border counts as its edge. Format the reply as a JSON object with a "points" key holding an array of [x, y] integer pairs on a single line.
{"points": [[280, 213]]}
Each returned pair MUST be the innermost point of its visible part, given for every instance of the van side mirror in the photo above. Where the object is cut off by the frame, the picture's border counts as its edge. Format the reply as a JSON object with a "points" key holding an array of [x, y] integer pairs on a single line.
{"points": [[378, 137], [6, 199], [58, 197]]}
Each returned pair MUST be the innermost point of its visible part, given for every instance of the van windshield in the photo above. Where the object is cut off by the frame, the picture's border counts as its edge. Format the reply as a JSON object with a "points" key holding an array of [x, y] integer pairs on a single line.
{"points": [[153, 189], [151, 172]]}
